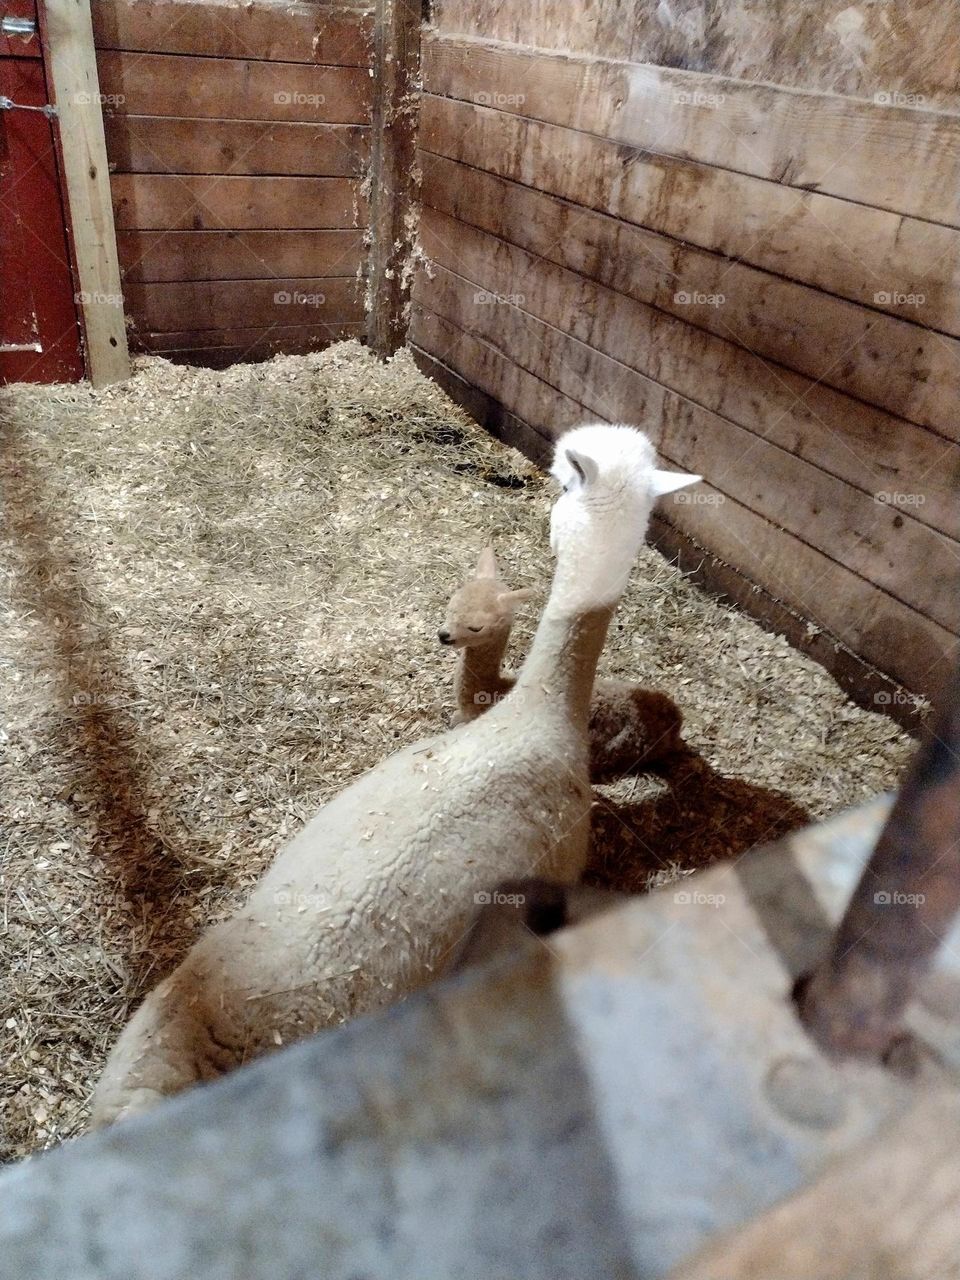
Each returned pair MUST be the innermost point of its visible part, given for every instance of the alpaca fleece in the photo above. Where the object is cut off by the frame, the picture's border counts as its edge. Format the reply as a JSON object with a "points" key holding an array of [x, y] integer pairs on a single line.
{"points": [[368, 902], [630, 727]]}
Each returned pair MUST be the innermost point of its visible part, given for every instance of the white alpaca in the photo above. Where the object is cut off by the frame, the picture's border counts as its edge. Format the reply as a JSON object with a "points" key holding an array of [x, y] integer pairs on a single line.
{"points": [[630, 727], [370, 900]]}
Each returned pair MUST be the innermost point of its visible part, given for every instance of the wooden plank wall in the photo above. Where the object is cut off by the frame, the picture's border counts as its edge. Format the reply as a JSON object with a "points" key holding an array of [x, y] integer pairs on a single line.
{"points": [[237, 136], [739, 226]]}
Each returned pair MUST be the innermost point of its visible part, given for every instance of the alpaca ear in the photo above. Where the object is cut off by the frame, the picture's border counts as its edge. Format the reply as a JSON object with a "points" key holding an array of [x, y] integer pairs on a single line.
{"points": [[584, 466], [518, 596], [667, 481], [487, 563]]}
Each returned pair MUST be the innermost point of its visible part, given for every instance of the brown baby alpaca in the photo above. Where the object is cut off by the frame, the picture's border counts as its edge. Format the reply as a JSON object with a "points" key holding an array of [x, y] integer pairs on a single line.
{"points": [[630, 727]]}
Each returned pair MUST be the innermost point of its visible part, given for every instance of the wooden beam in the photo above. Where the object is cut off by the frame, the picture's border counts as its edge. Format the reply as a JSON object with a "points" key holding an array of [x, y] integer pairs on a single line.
{"points": [[160, 84], [147, 256], [71, 69], [893, 157], [322, 34], [905, 51], [165, 144], [393, 190], [168, 202]]}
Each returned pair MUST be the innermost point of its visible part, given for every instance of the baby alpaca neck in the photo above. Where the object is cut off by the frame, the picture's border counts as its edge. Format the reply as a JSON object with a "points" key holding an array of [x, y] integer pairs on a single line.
{"points": [[478, 672]]}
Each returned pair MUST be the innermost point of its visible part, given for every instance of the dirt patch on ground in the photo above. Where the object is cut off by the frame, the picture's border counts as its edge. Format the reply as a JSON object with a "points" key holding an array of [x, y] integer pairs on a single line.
{"points": [[221, 595]]}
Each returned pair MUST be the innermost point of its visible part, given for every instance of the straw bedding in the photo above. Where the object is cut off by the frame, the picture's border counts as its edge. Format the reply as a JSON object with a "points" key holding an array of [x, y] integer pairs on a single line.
{"points": [[221, 594]]}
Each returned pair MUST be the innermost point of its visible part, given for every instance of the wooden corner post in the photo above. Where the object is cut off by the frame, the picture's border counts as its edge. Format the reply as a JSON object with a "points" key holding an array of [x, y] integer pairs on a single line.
{"points": [[392, 175], [74, 89]]}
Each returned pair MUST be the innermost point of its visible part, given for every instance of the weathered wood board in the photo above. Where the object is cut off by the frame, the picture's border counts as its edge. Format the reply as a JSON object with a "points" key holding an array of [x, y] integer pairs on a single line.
{"points": [[171, 202], [310, 33], [159, 84], [625, 313], [231, 255], [901, 266], [892, 49], [226, 304], [218, 348], [879, 542], [165, 144], [893, 157], [877, 453]]}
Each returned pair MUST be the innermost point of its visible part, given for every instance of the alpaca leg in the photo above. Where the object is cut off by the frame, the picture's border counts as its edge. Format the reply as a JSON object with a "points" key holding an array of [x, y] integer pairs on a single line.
{"points": [[168, 1045]]}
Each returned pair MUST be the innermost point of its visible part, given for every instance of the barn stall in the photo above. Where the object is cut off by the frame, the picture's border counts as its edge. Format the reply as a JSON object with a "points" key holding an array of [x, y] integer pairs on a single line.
{"points": [[736, 228]]}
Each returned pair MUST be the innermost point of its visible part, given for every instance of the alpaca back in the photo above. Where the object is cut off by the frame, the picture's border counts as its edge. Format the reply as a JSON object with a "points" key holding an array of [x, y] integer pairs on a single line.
{"points": [[366, 905], [478, 805]]}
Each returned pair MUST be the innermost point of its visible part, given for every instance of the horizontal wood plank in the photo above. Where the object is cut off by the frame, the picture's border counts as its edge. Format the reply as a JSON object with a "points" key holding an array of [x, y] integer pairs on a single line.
{"points": [[311, 33], [893, 157], [908, 48], [870, 256], [156, 84], [867, 447], [912, 562], [145, 202], [238, 255], [177, 307], [899, 641], [217, 349], [863, 682], [163, 144], [212, 339]]}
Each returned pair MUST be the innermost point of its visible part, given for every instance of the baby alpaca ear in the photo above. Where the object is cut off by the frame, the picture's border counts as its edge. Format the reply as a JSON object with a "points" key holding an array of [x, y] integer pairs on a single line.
{"points": [[667, 481], [518, 596], [487, 564], [584, 466]]}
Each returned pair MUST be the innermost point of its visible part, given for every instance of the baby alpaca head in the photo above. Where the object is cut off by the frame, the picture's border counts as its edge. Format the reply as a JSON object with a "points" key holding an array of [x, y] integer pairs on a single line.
{"points": [[610, 483], [483, 608]]}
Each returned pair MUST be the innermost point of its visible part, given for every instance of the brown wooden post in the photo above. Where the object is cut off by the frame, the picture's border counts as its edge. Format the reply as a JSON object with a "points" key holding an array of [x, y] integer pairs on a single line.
{"points": [[901, 910], [393, 184], [71, 68]]}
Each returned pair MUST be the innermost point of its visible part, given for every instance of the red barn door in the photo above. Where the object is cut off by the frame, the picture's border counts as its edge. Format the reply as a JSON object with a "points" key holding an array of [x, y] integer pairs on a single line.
{"points": [[39, 330]]}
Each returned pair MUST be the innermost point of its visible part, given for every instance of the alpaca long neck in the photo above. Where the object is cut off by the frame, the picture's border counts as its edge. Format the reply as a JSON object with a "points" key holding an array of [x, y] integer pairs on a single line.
{"points": [[562, 662], [480, 668]]}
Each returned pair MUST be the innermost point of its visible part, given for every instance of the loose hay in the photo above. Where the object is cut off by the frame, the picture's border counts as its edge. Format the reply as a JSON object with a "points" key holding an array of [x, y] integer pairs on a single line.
{"points": [[222, 597]]}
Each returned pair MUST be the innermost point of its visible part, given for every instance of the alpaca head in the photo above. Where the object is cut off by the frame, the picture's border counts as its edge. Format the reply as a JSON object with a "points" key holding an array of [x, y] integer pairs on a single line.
{"points": [[482, 610], [610, 483]]}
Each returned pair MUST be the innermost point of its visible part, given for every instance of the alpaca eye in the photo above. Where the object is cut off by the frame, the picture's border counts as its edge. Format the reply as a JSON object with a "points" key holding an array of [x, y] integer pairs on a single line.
{"points": [[474, 629]]}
